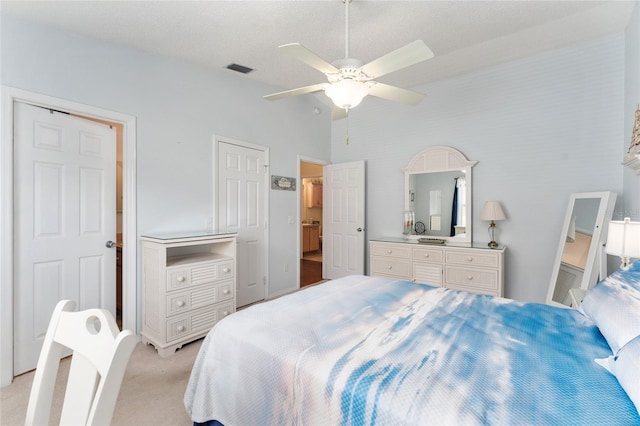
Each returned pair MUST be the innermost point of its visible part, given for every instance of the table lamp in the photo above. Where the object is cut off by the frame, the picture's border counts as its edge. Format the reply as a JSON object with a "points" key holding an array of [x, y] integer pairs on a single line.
{"points": [[492, 211], [623, 240]]}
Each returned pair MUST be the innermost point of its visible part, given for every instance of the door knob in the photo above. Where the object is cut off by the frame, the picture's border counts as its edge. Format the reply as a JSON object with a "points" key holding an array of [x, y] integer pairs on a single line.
{"points": [[110, 244], [359, 229]]}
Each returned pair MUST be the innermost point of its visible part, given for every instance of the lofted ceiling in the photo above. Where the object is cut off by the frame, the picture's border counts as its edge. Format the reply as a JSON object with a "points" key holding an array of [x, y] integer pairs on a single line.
{"points": [[464, 35]]}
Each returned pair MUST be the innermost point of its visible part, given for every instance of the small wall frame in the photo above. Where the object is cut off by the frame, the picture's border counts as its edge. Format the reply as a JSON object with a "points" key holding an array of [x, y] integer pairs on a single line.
{"points": [[283, 183]]}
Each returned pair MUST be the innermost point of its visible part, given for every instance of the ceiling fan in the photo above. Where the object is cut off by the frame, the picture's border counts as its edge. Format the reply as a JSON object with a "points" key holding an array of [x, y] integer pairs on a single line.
{"points": [[349, 81]]}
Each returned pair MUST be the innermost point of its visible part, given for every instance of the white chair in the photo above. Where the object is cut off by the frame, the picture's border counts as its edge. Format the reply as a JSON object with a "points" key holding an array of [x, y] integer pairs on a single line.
{"points": [[100, 356]]}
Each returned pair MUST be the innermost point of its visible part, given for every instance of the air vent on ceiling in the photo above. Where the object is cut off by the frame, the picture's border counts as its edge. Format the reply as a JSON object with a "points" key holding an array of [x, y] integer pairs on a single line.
{"points": [[239, 68]]}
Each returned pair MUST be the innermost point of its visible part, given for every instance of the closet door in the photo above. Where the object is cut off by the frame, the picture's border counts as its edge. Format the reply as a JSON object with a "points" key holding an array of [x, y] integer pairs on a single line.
{"points": [[65, 215], [241, 208]]}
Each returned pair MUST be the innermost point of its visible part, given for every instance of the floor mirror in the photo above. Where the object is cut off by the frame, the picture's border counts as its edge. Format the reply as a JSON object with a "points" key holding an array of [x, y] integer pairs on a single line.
{"points": [[580, 256]]}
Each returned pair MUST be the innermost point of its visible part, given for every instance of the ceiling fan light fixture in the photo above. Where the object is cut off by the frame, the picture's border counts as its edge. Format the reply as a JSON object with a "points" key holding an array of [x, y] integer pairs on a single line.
{"points": [[347, 93], [349, 81]]}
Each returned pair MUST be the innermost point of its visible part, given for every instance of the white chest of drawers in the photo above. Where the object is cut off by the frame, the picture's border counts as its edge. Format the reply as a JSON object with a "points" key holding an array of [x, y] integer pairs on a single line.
{"points": [[188, 284], [475, 268]]}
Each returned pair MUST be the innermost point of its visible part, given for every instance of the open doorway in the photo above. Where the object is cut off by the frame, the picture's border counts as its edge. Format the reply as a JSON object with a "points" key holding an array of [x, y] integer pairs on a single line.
{"points": [[311, 201]]}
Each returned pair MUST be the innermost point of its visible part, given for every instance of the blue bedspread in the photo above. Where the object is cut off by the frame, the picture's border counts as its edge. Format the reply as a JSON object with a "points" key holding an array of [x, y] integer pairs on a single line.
{"points": [[375, 351]]}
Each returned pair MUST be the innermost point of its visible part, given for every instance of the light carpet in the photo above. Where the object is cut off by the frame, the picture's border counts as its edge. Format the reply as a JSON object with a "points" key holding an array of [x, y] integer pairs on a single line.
{"points": [[151, 392]]}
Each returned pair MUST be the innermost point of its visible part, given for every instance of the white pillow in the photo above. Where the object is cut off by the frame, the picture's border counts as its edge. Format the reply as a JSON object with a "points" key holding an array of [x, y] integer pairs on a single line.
{"points": [[625, 365], [614, 305]]}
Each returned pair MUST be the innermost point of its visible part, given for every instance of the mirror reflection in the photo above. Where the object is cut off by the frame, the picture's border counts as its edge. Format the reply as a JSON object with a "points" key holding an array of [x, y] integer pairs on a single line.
{"points": [[438, 191], [577, 266], [576, 248], [439, 203]]}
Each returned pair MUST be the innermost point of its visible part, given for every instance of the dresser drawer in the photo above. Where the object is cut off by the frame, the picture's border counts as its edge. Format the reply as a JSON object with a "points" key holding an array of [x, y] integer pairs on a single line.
{"points": [[225, 270], [427, 273], [198, 321], [200, 273], [473, 258], [471, 279], [225, 310], [400, 268], [425, 254], [391, 250], [198, 297]]}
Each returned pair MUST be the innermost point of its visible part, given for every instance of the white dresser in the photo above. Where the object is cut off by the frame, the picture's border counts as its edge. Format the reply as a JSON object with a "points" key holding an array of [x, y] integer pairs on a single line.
{"points": [[471, 267], [188, 284]]}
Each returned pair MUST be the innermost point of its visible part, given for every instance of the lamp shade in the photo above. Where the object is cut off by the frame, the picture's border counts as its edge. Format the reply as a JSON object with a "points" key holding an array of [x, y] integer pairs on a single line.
{"points": [[623, 238], [492, 211], [347, 93]]}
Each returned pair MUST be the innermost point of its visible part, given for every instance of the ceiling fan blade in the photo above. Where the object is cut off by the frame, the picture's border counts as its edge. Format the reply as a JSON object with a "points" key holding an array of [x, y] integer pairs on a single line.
{"points": [[403, 57], [303, 54], [294, 92], [338, 113], [396, 94]]}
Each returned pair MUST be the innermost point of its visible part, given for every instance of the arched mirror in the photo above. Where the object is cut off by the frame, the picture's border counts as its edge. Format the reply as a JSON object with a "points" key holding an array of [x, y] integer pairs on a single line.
{"points": [[438, 190], [580, 253]]}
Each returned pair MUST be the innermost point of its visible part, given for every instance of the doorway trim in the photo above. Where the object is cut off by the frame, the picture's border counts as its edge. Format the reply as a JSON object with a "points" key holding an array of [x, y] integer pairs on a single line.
{"points": [[303, 159], [9, 95]]}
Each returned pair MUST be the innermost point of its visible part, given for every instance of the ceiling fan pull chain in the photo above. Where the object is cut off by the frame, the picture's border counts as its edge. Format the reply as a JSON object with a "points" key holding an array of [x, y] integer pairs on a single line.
{"points": [[347, 127]]}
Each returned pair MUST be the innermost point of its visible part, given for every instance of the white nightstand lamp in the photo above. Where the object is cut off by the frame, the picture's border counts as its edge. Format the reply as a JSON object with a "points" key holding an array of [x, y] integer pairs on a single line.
{"points": [[623, 240], [492, 211]]}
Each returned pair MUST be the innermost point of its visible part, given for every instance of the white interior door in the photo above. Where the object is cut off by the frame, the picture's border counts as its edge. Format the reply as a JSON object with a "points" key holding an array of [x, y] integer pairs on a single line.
{"points": [[64, 213], [343, 219], [241, 208]]}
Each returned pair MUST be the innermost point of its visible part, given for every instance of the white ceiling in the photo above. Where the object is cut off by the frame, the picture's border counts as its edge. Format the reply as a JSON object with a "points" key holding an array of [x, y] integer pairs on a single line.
{"points": [[464, 35]]}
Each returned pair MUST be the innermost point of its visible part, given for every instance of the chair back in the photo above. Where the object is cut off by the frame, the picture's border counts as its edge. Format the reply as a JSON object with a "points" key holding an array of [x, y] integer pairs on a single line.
{"points": [[99, 360]]}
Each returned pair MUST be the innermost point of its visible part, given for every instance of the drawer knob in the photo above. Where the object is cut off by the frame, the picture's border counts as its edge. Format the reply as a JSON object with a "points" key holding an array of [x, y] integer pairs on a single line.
{"points": [[389, 267], [181, 279], [470, 259], [225, 313], [180, 303], [226, 270], [470, 277], [426, 255], [226, 291], [180, 328], [389, 251]]}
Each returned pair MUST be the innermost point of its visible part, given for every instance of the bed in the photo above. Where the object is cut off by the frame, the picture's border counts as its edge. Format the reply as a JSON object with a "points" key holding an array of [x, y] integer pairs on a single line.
{"points": [[378, 351]]}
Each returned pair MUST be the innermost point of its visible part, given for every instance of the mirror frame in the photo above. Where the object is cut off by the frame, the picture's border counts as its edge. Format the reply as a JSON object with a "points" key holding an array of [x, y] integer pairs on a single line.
{"points": [[596, 248], [441, 159]]}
